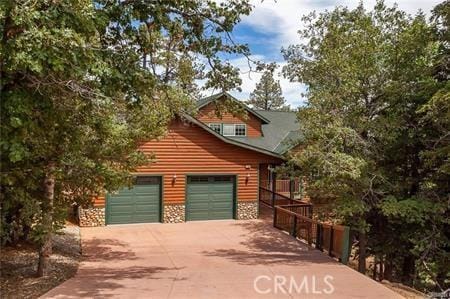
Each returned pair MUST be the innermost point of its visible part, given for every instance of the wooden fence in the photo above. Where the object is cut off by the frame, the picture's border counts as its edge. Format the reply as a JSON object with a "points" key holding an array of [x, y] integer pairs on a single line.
{"points": [[335, 239]]}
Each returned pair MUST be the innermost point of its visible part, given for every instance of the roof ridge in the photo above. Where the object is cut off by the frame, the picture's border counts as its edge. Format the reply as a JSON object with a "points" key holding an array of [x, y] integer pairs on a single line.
{"points": [[275, 111]]}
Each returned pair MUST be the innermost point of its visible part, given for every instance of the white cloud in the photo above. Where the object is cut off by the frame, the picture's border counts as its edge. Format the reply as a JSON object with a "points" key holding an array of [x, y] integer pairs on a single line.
{"points": [[282, 19]]}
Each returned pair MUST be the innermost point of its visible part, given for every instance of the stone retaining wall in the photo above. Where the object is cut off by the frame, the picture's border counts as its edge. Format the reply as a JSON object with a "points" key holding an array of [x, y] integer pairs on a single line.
{"points": [[174, 213], [91, 216], [247, 210]]}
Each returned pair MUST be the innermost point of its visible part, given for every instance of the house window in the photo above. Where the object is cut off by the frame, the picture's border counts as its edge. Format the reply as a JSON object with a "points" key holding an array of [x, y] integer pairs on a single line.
{"points": [[215, 127], [228, 130], [240, 130], [234, 130]]}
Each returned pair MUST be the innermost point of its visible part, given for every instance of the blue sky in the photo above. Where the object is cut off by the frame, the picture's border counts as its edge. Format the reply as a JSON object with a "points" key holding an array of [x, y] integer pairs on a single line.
{"points": [[274, 24]]}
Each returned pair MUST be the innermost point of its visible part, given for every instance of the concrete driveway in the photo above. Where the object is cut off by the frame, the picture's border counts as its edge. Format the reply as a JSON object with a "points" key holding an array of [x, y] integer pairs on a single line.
{"points": [[214, 259]]}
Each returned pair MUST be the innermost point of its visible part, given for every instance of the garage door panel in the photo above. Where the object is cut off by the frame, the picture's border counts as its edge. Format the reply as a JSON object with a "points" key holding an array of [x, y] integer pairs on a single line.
{"points": [[123, 192], [210, 197], [136, 205], [221, 205], [121, 209], [220, 197], [222, 186], [146, 208], [145, 200], [198, 188]]}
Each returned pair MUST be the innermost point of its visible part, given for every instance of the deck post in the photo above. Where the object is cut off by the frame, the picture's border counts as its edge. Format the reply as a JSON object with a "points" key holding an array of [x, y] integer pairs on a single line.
{"points": [[275, 215], [330, 248], [345, 246], [319, 232], [274, 187], [291, 188], [294, 227]]}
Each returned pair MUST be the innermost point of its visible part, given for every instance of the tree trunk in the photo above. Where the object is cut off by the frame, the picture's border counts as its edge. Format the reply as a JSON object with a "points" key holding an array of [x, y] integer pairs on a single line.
{"points": [[387, 273], [375, 263], [381, 272], [45, 249], [362, 252], [408, 269]]}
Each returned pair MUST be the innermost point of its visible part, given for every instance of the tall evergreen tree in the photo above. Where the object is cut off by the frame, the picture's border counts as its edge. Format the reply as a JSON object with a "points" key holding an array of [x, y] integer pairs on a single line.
{"points": [[376, 134], [267, 94], [79, 93]]}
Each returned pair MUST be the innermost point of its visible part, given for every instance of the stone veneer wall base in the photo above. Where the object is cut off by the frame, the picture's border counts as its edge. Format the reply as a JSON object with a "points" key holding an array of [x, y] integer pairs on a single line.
{"points": [[174, 213], [247, 210], [91, 216]]}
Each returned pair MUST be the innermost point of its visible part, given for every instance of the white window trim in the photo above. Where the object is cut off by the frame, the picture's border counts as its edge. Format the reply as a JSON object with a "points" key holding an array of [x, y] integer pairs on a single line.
{"points": [[234, 131]]}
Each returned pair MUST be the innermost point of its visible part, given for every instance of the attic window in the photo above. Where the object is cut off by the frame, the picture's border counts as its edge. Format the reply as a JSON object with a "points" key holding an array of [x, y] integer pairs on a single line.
{"points": [[216, 127], [240, 130], [234, 130]]}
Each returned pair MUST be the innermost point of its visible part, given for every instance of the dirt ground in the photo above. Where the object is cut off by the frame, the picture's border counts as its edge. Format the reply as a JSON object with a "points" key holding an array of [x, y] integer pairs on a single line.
{"points": [[18, 266]]}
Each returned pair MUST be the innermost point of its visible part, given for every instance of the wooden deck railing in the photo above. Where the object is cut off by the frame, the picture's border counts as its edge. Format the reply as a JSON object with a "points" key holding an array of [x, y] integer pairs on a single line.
{"points": [[335, 239], [282, 186], [272, 199]]}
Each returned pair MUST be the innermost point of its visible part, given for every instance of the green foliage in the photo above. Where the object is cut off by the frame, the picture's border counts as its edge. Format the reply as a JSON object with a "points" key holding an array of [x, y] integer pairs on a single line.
{"points": [[376, 131], [84, 83], [267, 94]]}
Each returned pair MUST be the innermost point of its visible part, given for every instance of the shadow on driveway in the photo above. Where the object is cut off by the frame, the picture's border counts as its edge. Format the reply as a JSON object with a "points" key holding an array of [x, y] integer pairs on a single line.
{"points": [[262, 244]]}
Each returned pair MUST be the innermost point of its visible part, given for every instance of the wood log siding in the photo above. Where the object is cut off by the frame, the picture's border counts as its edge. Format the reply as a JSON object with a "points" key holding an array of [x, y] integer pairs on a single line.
{"points": [[189, 149], [208, 115]]}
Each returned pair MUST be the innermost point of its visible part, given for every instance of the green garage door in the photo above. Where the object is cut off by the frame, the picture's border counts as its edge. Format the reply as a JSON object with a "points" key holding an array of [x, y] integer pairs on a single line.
{"points": [[210, 197], [140, 204]]}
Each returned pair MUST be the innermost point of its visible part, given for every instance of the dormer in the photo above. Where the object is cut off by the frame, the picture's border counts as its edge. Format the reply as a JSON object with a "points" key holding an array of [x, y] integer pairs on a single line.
{"points": [[242, 125]]}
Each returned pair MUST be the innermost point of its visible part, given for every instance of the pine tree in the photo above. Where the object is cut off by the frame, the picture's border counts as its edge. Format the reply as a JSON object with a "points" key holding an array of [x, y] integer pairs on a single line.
{"points": [[76, 99], [375, 133], [267, 94]]}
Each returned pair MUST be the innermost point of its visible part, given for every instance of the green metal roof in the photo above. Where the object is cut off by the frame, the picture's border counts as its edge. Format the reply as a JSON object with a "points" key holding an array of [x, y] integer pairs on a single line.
{"points": [[279, 135]]}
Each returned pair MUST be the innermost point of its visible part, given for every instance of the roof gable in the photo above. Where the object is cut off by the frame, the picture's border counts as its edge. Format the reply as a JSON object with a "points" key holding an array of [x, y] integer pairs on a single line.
{"points": [[205, 101]]}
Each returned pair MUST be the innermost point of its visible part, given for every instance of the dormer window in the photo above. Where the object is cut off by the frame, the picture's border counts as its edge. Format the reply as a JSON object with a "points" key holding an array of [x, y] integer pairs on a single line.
{"points": [[216, 127], [229, 129], [240, 130]]}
